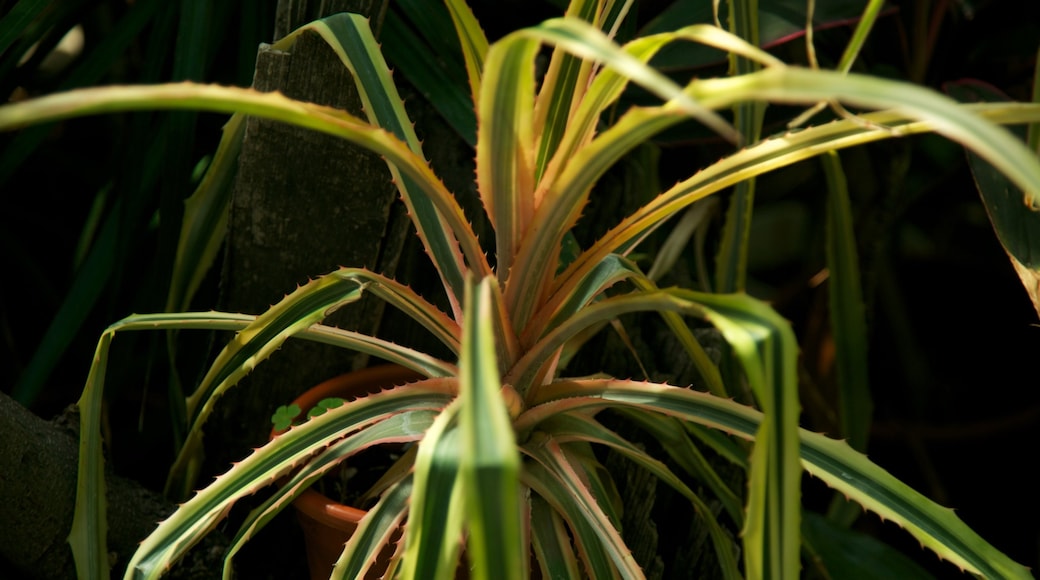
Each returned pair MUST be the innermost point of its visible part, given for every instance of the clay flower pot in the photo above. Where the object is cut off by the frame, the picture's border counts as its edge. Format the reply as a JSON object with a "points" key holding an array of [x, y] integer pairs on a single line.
{"points": [[326, 523]]}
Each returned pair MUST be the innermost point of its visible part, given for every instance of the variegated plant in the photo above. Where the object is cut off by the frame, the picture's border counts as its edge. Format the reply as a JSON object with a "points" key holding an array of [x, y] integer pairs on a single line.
{"points": [[504, 465]]}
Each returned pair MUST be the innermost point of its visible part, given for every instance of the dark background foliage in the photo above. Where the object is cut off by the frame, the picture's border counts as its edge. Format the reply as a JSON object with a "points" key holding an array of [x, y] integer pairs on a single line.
{"points": [[92, 211]]}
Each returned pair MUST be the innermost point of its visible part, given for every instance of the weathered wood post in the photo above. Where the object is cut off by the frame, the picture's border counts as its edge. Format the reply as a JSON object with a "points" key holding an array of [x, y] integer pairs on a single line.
{"points": [[303, 204]]}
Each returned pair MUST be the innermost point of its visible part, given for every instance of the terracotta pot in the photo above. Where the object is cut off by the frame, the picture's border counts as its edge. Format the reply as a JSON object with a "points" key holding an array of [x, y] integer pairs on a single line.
{"points": [[327, 524]]}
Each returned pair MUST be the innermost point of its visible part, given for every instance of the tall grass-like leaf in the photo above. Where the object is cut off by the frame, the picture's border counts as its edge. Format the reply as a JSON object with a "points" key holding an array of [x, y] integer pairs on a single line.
{"points": [[580, 428], [859, 35], [433, 536], [505, 145], [598, 542], [88, 537], [205, 219], [707, 369], [846, 307], [1015, 220], [474, 44], [768, 351], [785, 149], [562, 88], [794, 84], [779, 21], [189, 64], [1033, 129], [731, 265], [837, 464], [203, 226], [186, 526], [89, 533], [373, 531], [17, 19], [95, 272], [848, 57], [419, 52], [404, 427], [489, 461], [676, 442], [351, 38], [551, 542], [85, 290], [87, 72], [434, 197], [846, 553]]}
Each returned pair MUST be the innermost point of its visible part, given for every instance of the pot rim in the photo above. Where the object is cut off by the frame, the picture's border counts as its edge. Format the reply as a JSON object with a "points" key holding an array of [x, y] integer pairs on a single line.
{"points": [[351, 384]]}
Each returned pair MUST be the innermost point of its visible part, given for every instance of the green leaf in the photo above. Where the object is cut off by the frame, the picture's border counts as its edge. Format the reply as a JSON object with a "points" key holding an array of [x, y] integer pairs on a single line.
{"points": [[847, 553], [86, 288], [505, 144], [846, 307], [558, 482], [946, 117], [87, 72], [407, 426], [838, 465], [89, 524], [89, 533], [565, 428], [562, 88], [441, 229], [732, 260], [783, 150], [324, 405], [205, 219], [296, 313], [676, 442], [374, 531], [489, 461], [283, 416], [1015, 218], [779, 21], [17, 20], [306, 306], [768, 351], [474, 43], [202, 512], [551, 542], [435, 521], [410, 43]]}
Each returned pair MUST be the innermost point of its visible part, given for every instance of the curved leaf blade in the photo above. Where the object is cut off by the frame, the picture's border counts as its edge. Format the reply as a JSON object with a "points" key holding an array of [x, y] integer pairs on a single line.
{"points": [[400, 428], [582, 428], [189, 523], [374, 531], [505, 143], [767, 155], [489, 462], [837, 464], [433, 536], [847, 309]]}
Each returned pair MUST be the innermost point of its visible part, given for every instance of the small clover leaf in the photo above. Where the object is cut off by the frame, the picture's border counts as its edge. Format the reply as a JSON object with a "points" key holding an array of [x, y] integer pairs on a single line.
{"points": [[283, 416], [324, 405]]}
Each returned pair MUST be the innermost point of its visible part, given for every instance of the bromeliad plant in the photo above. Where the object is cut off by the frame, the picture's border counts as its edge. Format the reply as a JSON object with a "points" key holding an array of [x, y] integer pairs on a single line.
{"points": [[504, 462]]}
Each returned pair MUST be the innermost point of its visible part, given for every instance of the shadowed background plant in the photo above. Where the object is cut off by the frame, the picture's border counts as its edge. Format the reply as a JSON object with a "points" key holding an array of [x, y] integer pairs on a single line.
{"points": [[763, 292]]}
